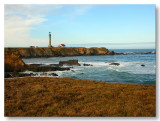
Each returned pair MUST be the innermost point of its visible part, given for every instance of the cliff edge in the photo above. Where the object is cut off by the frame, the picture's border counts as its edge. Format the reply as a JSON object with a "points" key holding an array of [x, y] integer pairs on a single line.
{"points": [[13, 56], [55, 52], [13, 62]]}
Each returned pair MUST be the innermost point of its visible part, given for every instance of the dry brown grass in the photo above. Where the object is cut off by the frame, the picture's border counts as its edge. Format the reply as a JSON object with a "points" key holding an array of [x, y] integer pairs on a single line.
{"points": [[73, 97]]}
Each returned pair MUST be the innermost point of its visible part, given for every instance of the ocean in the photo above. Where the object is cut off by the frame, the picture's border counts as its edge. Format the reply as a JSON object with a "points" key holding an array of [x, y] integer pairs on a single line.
{"points": [[129, 71]]}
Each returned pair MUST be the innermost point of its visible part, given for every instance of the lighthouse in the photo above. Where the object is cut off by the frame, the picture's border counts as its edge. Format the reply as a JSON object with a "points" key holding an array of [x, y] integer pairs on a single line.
{"points": [[49, 40]]}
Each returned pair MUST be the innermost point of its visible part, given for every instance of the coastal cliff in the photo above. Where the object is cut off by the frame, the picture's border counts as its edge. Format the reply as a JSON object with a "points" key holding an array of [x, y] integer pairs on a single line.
{"points": [[55, 52], [14, 62]]}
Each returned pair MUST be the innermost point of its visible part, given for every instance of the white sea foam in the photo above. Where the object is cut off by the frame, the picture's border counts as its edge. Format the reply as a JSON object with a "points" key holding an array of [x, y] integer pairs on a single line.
{"points": [[102, 70], [136, 68], [27, 72], [133, 67], [77, 68], [114, 69], [96, 63]]}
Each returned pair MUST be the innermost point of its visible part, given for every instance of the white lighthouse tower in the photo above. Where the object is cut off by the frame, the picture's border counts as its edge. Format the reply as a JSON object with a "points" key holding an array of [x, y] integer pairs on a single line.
{"points": [[49, 40]]}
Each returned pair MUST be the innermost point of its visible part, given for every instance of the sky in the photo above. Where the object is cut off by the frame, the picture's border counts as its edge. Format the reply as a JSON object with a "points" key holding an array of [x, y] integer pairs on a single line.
{"points": [[111, 26]]}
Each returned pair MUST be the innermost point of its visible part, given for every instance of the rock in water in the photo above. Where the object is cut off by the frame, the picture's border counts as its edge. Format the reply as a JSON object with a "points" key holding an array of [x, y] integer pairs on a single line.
{"points": [[111, 53], [69, 63], [87, 64], [53, 74], [46, 68], [116, 64], [142, 65], [12, 75]]}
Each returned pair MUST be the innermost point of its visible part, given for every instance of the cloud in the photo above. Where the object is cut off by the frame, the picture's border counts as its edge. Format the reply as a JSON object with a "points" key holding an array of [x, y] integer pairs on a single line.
{"points": [[21, 18], [35, 21], [17, 30], [31, 10], [19, 21]]}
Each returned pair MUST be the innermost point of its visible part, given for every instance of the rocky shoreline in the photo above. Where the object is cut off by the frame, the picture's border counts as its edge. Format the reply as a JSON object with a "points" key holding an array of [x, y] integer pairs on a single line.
{"points": [[42, 70], [14, 64], [36, 68], [57, 52]]}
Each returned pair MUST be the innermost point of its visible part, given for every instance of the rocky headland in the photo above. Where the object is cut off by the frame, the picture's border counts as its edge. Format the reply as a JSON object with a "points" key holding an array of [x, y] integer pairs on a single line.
{"points": [[14, 63], [56, 52]]}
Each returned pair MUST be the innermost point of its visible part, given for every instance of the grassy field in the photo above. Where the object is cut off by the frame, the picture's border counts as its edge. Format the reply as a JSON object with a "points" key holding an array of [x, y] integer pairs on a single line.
{"points": [[42, 96]]}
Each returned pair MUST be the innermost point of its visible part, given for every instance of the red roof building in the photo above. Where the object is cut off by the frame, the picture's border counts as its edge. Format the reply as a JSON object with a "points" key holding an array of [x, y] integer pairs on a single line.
{"points": [[61, 45]]}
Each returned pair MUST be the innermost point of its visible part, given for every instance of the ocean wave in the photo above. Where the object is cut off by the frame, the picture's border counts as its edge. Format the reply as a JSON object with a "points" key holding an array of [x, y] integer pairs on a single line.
{"points": [[129, 67], [95, 63], [114, 69]]}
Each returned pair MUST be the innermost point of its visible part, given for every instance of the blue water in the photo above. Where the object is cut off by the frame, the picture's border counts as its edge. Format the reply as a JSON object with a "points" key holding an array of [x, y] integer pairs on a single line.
{"points": [[129, 71]]}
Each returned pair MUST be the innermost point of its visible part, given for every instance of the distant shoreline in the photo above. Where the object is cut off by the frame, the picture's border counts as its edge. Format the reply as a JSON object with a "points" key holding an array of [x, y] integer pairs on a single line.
{"points": [[91, 47]]}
